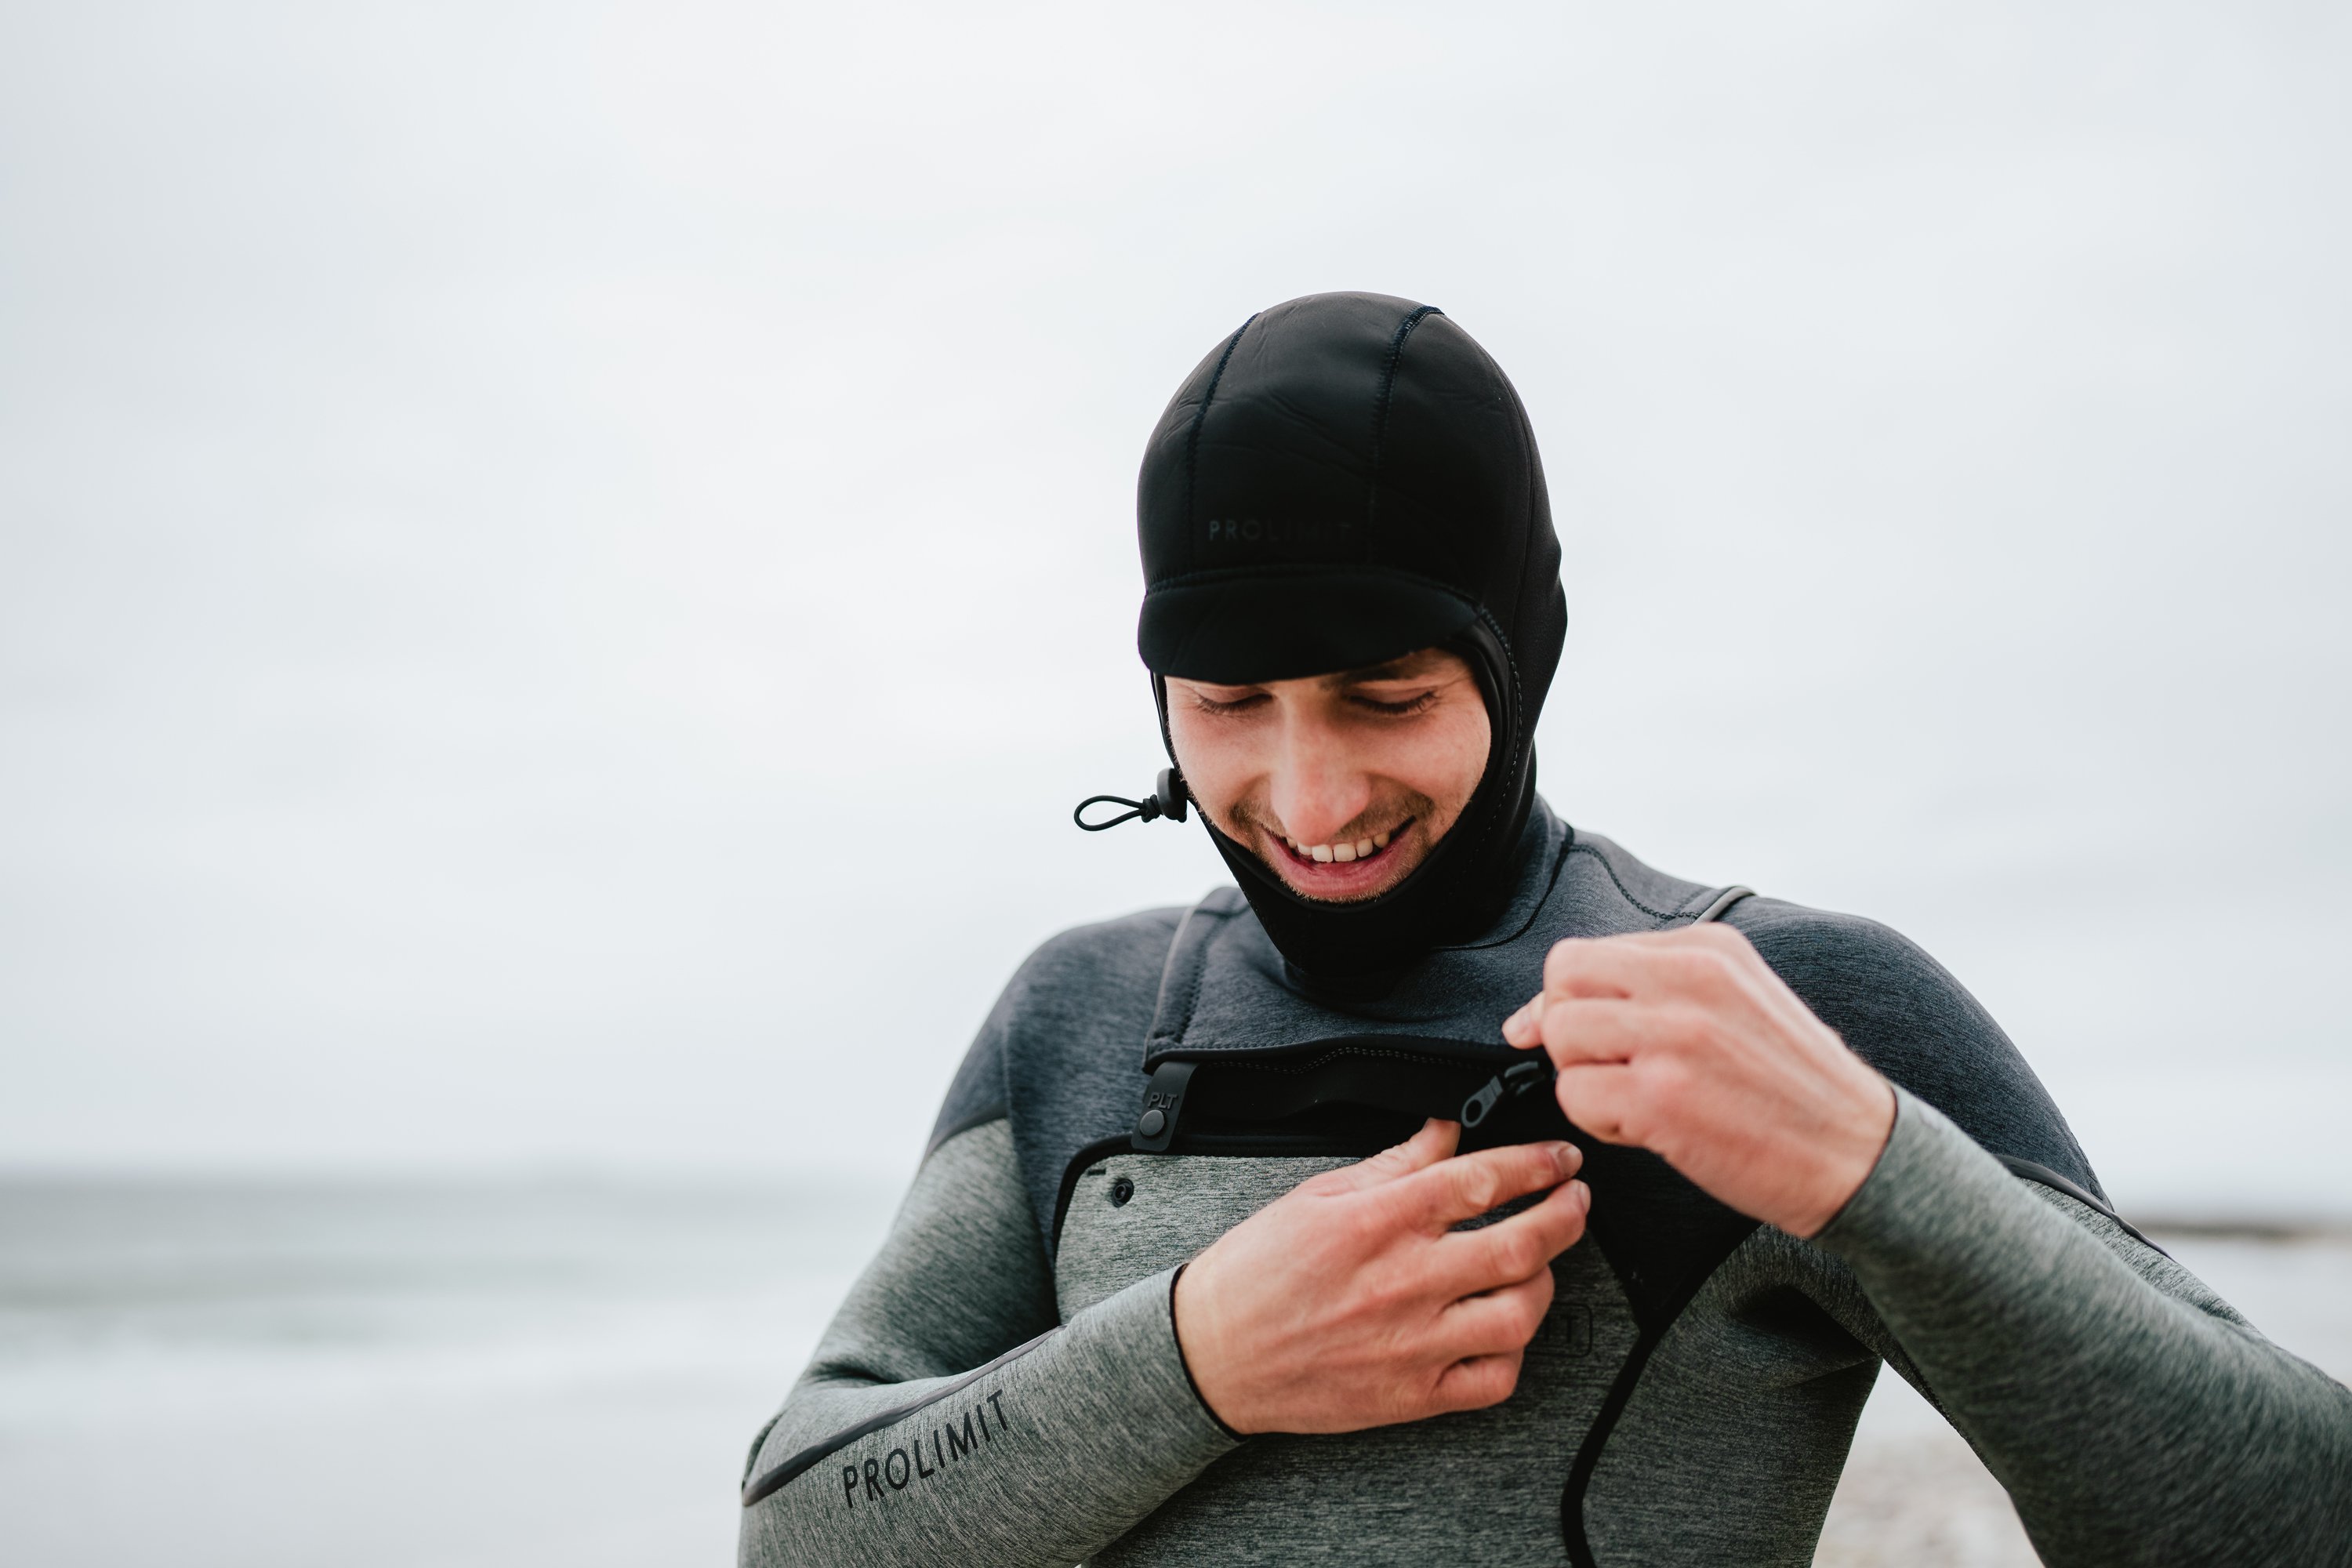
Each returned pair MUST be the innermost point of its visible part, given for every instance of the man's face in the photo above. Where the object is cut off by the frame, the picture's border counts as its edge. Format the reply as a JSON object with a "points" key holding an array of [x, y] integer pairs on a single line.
{"points": [[1341, 783]]}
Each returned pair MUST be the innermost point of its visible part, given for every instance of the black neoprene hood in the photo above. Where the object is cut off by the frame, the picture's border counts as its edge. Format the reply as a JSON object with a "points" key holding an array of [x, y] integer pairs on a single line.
{"points": [[1346, 479]]}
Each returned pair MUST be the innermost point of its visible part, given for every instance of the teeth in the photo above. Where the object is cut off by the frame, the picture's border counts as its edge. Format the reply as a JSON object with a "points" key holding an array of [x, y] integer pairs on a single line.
{"points": [[1325, 854], [1344, 854]]}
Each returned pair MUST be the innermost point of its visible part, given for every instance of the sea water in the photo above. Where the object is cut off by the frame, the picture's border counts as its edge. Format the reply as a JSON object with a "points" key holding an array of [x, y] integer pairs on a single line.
{"points": [[392, 1375], [400, 1373]]}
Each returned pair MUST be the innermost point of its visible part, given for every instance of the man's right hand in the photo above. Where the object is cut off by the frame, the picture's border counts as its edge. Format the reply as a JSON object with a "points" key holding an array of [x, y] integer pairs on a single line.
{"points": [[1351, 1301]]}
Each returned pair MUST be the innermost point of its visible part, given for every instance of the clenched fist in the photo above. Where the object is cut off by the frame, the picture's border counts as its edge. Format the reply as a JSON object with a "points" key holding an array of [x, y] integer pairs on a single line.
{"points": [[1685, 1044]]}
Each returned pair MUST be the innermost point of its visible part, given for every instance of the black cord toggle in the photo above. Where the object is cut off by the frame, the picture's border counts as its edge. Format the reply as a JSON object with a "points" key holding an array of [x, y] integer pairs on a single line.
{"points": [[1168, 800]]}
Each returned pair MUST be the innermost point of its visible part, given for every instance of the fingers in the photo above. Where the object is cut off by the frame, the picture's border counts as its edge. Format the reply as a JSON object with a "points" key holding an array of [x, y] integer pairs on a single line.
{"points": [[1595, 966], [1606, 1100], [1445, 1194], [1497, 1323], [1664, 947], [1579, 1032], [1687, 960], [1435, 1141], [1580, 968], [1475, 1384], [1473, 1261]]}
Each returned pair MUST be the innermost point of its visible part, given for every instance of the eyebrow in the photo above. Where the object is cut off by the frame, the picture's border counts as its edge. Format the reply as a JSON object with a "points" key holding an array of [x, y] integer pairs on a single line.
{"points": [[1393, 669], [1389, 669]]}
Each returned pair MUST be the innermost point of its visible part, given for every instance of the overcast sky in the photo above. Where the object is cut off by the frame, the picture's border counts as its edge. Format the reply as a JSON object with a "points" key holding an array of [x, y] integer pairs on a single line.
{"points": [[562, 567]]}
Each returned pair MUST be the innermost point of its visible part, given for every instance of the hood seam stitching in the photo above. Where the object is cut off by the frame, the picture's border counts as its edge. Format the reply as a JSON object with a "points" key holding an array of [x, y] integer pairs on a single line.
{"points": [[1381, 416], [1201, 417]]}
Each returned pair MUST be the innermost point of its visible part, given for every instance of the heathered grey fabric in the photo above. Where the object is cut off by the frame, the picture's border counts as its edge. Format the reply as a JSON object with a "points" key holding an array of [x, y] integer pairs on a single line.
{"points": [[1054, 1453], [1727, 1454], [1135, 1215], [2131, 1425], [2137, 1447], [1478, 1486], [1733, 1440]]}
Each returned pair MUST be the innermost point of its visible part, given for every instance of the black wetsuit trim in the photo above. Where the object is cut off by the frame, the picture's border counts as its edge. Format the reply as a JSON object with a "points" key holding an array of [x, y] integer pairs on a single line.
{"points": [[2049, 1178], [1093, 1154]]}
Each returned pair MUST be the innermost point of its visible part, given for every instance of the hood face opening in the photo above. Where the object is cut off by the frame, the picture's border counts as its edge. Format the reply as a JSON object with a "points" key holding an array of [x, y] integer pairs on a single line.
{"points": [[1346, 479], [1453, 896]]}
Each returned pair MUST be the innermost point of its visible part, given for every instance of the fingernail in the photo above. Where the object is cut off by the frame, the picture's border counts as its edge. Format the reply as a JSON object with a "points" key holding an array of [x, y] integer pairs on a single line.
{"points": [[1583, 1196], [1569, 1158]]}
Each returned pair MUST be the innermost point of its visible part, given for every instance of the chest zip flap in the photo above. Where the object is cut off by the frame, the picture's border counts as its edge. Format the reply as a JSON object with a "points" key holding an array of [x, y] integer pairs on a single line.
{"points": [[1163, 1101]]}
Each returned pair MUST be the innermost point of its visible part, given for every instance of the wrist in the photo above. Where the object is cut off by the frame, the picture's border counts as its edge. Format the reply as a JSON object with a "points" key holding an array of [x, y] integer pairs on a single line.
{"points": [[1197, 1349], [1184, 1357], [1849, 1153]]}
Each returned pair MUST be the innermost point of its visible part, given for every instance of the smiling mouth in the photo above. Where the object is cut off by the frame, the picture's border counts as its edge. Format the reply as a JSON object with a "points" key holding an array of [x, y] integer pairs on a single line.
{"points": [[1345, 851]]}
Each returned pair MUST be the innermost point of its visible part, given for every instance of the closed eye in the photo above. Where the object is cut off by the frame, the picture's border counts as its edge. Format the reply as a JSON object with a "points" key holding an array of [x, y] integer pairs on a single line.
{"points": [[1208, 704], [1393, 710]]}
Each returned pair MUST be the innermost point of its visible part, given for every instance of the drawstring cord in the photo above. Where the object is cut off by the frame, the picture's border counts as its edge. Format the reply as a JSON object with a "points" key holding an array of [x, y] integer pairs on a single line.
{"points": [[1168, 801]]}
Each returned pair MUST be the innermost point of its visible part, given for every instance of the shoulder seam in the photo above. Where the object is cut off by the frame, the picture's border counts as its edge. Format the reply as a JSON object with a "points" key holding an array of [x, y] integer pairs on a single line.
{"points": [[1624, 891], [942, 1137]]}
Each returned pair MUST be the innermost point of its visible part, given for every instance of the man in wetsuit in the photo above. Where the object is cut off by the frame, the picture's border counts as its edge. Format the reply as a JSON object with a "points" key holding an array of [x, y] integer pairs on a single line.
{"points": [[1455, 1188]]}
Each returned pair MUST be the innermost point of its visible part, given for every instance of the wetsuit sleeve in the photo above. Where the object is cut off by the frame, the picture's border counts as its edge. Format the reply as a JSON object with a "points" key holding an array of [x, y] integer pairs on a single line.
{"points": [[2133, 1416], [949, 1417]]}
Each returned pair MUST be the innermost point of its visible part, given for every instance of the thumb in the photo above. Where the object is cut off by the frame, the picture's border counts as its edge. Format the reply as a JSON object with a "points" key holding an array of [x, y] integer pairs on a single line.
{"points": [[1436, 1141]]}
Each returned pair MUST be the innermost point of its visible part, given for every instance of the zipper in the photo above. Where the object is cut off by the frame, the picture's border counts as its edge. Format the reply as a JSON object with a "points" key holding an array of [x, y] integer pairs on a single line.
{"points": [[1373, 1072], [1513, 1080]]}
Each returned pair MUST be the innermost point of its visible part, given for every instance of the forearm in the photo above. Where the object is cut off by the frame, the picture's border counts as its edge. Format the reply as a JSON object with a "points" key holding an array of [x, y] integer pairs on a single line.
{"points": [[2133, 1417], [946, 1408], [1043, 1457]]}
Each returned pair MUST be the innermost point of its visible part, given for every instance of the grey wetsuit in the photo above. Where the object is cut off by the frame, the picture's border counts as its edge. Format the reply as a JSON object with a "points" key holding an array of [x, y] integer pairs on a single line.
{"points": [[1003, 1385]]}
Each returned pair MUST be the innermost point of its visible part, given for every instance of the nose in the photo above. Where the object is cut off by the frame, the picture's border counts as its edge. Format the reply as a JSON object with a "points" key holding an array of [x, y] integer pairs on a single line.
{"points": [[1318, 786]]}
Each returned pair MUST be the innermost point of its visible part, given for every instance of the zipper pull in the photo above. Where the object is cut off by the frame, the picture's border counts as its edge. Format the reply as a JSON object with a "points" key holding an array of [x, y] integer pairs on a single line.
{"points": [[1163, 1098], [1513, 1080]]}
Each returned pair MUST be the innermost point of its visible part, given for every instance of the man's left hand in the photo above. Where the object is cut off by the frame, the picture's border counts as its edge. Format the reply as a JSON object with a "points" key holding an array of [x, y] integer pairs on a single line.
{"points": [[1683, 1043]]}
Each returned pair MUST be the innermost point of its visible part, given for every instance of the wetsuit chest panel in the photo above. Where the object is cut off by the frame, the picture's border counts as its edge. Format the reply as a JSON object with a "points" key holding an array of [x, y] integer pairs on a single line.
{"points": [[1483, 1486], [1479, 1487], [1132, 1216]]}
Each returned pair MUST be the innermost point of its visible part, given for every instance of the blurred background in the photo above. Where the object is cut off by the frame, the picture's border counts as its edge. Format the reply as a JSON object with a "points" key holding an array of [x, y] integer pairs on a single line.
{"points": [[562, 566]]}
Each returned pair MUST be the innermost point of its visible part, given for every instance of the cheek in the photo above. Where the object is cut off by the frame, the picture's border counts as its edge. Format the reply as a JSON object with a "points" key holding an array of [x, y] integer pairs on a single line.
{"points": [[1454, 758], [1214, 773]]}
